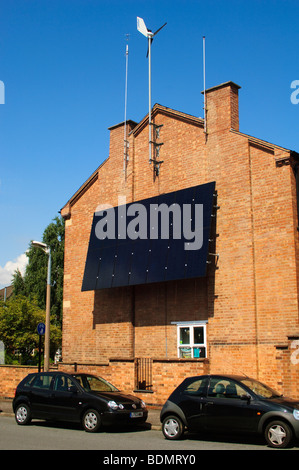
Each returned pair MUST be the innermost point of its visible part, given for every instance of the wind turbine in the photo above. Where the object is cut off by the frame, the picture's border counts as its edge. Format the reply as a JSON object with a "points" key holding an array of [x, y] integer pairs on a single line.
{"points": [[150, 36]]}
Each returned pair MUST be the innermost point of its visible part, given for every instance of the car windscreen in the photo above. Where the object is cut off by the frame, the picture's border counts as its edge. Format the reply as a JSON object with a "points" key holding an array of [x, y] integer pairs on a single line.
{"points": [[91, 383], [260, 389]]}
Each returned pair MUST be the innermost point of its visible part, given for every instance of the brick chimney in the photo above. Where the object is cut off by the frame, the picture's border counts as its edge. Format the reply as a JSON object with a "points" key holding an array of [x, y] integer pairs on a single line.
{"points": [[116, 149], [222, 105]]}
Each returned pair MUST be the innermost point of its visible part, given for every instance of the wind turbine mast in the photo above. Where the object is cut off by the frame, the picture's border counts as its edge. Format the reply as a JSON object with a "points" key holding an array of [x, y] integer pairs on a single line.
{"points": [[150, 36]]}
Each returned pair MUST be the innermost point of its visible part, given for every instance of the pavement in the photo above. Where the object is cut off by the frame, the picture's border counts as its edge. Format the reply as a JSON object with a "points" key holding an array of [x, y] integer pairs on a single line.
{"points": [[153, 413]]}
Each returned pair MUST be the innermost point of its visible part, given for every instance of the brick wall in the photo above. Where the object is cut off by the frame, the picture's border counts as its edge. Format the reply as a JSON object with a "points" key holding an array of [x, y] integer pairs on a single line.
{"points": [[282, 375], [10, 377], [167, 375]]}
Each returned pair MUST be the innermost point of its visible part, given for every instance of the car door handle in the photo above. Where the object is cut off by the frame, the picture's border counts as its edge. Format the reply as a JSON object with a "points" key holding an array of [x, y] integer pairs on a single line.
{"points": [[210, 403]]}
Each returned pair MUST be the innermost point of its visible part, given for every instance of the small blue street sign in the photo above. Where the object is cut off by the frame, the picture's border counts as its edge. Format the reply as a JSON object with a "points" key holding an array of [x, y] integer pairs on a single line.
{"points": [[41, 328]]}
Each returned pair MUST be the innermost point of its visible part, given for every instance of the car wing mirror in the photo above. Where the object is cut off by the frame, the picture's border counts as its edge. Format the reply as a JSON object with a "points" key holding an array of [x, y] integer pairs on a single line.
{"points": [[73, 389], [246, 397]]}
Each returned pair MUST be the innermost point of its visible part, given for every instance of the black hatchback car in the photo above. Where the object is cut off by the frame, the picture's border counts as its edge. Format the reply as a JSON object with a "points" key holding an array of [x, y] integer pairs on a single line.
{"points": [[81, 398], [230, 404]]}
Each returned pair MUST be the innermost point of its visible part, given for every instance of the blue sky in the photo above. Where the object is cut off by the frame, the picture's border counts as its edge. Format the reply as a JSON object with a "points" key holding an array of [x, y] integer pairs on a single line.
{"points": [[62, 63]]}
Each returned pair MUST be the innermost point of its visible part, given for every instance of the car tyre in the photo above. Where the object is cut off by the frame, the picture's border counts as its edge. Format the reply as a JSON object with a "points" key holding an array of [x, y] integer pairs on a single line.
{"points": [[91, 421], [278, 434], [172, 427], [23, 414]]}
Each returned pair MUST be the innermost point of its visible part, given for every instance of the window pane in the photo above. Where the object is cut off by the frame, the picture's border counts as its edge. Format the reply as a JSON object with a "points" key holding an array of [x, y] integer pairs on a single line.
{"points": [[199, 352], [217, 387], [199, 335], [185, 352], [185, 335], [225, 388], [196, 387], [61, 383], [29, 381], [99, 385], [42, 381], [260, 388]]}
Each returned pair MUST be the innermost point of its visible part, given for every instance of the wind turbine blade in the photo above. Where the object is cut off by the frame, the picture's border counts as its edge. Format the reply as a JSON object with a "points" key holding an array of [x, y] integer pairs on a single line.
{"points": [[159, 29], [141, 26]]}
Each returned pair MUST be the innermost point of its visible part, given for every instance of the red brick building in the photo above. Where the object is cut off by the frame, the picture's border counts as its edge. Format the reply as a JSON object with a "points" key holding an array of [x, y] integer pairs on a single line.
{"points": [[242, 315]]}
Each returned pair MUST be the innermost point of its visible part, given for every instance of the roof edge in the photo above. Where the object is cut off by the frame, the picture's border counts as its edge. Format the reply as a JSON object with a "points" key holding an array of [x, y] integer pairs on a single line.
{"points": [[170, 112], [256, 140], [65, 210]]}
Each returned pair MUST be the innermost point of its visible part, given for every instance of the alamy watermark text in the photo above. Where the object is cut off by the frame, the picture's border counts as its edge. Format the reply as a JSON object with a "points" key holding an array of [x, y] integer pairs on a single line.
{"points": [[155, 221], [295, 94], [2, 92]]}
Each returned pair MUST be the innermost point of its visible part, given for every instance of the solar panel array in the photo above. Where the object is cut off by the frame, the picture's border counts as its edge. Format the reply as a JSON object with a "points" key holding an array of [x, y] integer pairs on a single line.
{"points": [[114, 261]]}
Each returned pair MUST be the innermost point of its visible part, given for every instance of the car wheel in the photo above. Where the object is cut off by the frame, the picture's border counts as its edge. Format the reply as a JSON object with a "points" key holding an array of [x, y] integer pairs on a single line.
{"points": [[278, 434], [23, 414], [91, 421], [172, 427]]}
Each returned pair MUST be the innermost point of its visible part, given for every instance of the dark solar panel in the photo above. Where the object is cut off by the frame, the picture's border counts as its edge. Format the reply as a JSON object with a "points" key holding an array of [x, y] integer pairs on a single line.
{"points": [[152, 245]]}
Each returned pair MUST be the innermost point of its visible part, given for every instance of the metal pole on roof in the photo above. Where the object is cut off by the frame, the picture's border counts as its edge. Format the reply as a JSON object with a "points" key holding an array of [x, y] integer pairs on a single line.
{"points": [[125, 127], [150, 36], [204, 83], [150, 98]]}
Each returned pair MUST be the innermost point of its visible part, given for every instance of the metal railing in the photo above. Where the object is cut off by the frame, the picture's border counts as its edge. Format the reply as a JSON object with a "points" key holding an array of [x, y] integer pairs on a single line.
{"points": [[143, 373]]}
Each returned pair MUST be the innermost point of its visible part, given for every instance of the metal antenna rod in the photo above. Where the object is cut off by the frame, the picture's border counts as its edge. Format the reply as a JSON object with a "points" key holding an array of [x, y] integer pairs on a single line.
{"points": [[150, 98], [126, 95], [204, 83], [150, 36]]}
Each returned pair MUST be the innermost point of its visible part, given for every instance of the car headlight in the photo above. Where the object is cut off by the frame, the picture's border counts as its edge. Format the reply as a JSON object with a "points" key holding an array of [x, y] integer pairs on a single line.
{"points": [[142, 404], [113, 405], [296, 414]]}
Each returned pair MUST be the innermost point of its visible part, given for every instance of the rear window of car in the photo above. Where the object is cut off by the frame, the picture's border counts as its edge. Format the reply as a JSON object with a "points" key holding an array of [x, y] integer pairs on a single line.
{"points": [[196, 386], [42, 381], [39, 381], [28, 380]]}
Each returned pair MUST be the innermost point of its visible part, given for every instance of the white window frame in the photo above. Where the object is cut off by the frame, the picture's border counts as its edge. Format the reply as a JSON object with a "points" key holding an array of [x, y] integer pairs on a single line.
{"points": [[191, 345]]}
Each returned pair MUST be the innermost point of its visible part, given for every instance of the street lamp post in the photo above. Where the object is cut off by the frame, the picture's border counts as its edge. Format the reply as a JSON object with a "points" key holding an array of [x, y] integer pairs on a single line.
{"points": [[47, 250]]}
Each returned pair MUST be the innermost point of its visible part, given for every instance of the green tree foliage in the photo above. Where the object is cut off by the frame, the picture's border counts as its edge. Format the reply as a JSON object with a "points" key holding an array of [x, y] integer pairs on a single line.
{"points": [[19, 287], [19, 318], [22, 312], [33, 283]]}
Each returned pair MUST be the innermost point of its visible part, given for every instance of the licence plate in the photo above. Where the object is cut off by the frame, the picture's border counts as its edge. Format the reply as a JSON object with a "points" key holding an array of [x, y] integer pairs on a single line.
{"points": [[136, 414]]}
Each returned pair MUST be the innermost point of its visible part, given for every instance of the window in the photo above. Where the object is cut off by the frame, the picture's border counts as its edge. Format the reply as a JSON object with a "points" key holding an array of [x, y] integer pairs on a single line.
{"points": [[196, 387], [192, 340], [63, 383], [91, 383], [42, 382], [27, 382], [225, 388]]}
